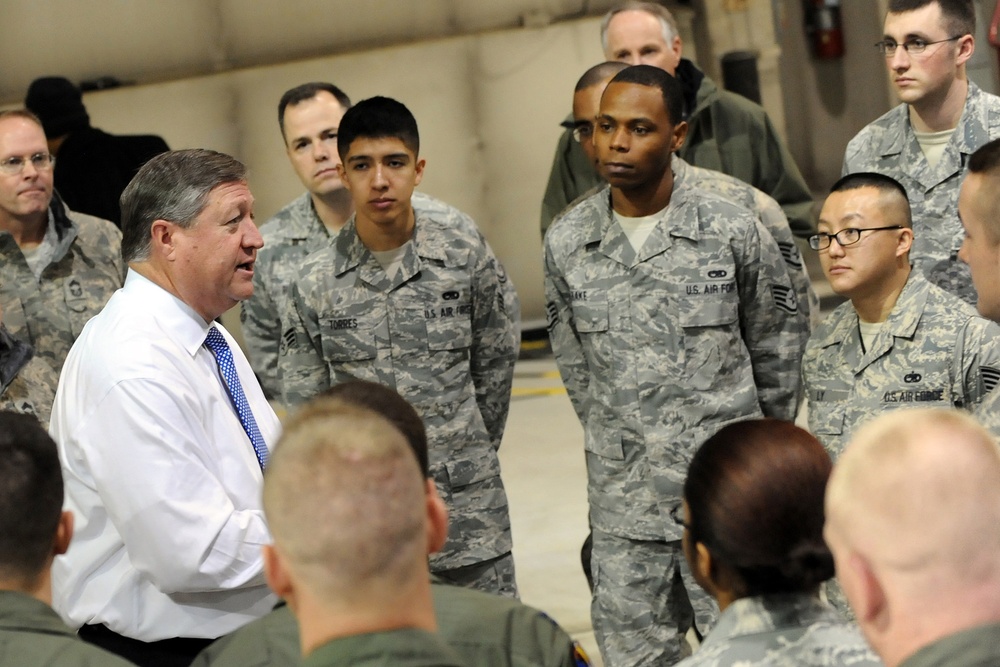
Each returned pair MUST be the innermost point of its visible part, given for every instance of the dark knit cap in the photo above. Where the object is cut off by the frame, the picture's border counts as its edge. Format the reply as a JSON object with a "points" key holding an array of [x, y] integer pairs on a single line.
{"points": [[58, 103]]}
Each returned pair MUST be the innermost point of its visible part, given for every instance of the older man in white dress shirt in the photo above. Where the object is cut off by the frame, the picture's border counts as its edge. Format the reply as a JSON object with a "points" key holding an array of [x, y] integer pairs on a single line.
{"points": [[162, 429]]}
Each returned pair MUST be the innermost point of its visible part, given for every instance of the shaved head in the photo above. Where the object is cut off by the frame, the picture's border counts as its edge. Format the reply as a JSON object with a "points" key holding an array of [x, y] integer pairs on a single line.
{"points": [[346, 501], [913, 519]]}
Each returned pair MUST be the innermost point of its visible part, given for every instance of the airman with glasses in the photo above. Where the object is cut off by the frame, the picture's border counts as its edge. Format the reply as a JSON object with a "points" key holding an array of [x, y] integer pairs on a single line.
{"points": [[899, 341], [925, 142], [57, 267]]}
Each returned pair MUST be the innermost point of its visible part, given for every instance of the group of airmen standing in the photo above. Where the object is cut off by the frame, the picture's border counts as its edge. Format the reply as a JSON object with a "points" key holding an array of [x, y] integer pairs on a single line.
{"points": [[677, 299]]}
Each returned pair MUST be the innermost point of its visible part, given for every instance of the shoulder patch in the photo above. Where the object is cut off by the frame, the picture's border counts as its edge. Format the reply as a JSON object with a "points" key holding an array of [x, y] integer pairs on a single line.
{"points": [[991, 377], [551, 315], [784, 299]]}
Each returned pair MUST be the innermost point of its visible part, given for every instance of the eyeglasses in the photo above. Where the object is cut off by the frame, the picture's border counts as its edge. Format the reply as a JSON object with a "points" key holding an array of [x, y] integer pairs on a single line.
{"points": [[845, 237], [15, 163], [677, 514], [915, 46], [582, 130]]}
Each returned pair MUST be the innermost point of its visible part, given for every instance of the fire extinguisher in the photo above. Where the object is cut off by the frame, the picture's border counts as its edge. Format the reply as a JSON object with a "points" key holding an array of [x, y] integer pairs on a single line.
{"points": [[824, 28]]}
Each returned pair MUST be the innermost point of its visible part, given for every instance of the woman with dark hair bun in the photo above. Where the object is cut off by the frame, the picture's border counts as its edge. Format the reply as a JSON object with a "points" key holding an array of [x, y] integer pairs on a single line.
{"points": [[753, 536]]}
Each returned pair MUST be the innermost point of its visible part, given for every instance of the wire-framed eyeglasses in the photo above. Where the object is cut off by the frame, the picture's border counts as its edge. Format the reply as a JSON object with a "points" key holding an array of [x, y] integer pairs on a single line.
{"points": [[845, 237], [915, 46]]}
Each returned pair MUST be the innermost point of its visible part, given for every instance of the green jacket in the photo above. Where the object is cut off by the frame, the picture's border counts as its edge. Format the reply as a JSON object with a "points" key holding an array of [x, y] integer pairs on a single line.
{"points": [[726, 132], [400, 648], [486, 631], [976, 647], [31, 633]]}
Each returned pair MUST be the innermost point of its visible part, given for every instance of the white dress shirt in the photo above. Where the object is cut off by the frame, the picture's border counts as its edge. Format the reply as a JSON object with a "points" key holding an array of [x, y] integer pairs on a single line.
{"points": [[160, 475]]}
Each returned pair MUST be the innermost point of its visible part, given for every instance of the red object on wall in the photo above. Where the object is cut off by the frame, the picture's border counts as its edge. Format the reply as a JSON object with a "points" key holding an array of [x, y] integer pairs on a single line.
{"points": [[824, 28]]}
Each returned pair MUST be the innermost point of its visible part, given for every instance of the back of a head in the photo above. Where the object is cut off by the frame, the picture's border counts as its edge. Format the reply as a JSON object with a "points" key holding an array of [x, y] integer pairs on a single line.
{"points": [[172, 186], [307, 91], [663, 15], [959, 15], [386, 402], [346, 502], [654, 77], [598, 74], [895, 201], [31, 497], [59, 105], [917, 493], [378, 118], [754, 492]]}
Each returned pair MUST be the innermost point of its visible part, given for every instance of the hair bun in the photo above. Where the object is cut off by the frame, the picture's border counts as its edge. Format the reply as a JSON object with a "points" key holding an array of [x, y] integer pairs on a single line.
{"points": [[809, 563]]}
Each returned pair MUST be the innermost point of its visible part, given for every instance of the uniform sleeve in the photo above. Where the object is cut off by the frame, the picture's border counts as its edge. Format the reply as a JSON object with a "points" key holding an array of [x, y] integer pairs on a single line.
{"points": [[854, 155], [980, 372], [262, 334], [494, 331], [566, 345], [775, 330], [784, 182], [302, 369]]}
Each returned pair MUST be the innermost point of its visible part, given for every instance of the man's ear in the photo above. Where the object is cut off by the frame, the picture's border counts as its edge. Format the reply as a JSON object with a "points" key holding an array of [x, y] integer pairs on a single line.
{"points": [[276, 574], [966, 47], [419, 166], [869, 601], [905, 242], [437, 519], [680, 134], [64, 533], [162, 237]]}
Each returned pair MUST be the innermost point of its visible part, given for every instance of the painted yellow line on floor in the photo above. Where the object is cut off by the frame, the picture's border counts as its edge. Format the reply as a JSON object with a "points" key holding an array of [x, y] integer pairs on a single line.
{"points": [[525, 391]]}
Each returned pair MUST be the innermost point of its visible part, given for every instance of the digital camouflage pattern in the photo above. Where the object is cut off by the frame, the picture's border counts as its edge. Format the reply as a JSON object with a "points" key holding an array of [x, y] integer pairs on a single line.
{"points": [[27, 383], [661, 349], [726, 132], [290, 235], [658, 350], [889, 146], [769, 213], [85, 271], [483, 629], [795, 630], [933, 351], [645, 601], [440, 333]]}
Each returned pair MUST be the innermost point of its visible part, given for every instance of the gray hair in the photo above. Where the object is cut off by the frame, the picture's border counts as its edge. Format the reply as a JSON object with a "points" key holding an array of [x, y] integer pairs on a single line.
{"points": [[667, 21], [172, 186]]}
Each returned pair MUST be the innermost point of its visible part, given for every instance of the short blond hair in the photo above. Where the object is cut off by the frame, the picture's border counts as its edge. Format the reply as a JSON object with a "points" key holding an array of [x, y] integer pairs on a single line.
{"points": [[667, 21]]}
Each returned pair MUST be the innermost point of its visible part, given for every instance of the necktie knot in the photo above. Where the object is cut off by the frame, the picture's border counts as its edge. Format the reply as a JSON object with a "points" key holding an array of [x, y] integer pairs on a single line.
{"points": [[219, 347]]}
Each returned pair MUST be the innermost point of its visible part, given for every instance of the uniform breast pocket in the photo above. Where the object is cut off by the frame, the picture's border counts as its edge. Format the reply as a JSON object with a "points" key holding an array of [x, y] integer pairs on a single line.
{"points": [[712, 341], [452, 332], [591, 315], [349, 336]]}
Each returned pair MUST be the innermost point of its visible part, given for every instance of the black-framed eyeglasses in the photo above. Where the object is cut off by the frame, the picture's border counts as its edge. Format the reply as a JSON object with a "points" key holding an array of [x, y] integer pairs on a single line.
{"points": [[845, 237], [582, 130], [677, 514], [915, 46], [15, 163]]}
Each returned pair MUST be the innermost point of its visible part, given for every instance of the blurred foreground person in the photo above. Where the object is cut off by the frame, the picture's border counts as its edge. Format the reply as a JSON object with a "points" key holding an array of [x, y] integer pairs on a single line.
{"points": [[753, 537], [913, 520]]}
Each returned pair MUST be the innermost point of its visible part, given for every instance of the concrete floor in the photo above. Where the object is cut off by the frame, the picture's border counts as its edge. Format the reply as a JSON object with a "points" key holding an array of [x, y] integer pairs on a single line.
{"points": [[544, 471]]}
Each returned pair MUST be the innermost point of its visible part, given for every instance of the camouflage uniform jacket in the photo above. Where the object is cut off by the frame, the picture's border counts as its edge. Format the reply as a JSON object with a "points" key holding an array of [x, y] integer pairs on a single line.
{"points": [[769, 212], [660, 349], [484, 629], [27, 383], [31, 633], [290, 235], [932, 351], [85, 271], [726, 132], [889, 146], [439, 332], [794, 630]]}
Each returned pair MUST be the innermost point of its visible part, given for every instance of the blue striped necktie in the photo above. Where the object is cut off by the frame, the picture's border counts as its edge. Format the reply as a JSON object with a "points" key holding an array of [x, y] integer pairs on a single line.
{"points": [[216, 342]]}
